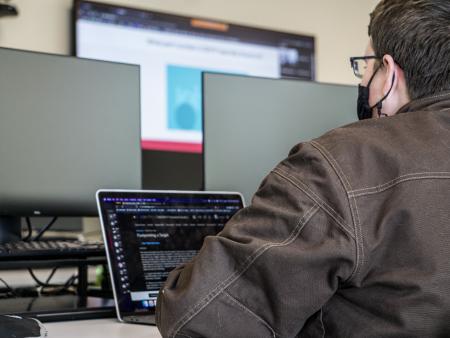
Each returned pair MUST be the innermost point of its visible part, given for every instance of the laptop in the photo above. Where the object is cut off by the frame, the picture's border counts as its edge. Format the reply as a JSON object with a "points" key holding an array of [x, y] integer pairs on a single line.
{"points": [[149, 233]]}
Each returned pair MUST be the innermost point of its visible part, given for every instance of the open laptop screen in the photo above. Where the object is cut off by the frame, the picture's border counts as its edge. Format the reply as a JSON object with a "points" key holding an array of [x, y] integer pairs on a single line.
{"points": [[149, 233]]}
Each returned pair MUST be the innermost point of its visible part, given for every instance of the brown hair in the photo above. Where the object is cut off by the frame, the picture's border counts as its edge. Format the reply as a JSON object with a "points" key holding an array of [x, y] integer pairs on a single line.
{"points": [[416, 33]]}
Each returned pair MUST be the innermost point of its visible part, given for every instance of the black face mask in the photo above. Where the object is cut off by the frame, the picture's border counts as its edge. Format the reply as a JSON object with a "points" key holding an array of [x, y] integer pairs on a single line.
{"points": [[363, 108]]}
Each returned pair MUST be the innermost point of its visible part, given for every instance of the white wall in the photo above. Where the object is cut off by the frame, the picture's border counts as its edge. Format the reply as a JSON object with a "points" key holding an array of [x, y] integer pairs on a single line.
{"points": [[339, 26]]}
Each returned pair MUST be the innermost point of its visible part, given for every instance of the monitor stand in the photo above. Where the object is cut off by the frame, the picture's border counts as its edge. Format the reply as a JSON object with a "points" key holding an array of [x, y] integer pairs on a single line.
{"points": [[10, 229]]}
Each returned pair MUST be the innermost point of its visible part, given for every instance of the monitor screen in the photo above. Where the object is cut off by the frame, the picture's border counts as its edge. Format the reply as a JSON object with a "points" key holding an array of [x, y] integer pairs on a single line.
{"points": [[267, 118], [173, 50], [68, 127]]}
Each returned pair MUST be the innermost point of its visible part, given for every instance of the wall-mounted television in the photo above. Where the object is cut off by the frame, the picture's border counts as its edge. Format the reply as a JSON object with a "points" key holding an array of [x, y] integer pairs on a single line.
{"points": [[172, 51]]}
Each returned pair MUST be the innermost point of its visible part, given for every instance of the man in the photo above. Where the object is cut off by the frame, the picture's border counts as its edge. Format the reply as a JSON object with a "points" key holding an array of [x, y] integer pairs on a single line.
{"points": [[350, 235]]}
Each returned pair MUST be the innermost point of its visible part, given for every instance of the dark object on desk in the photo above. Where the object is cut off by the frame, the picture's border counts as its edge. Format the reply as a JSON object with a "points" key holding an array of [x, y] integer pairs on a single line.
{"points": [[19, 327], [8, 10], [51, 249]]}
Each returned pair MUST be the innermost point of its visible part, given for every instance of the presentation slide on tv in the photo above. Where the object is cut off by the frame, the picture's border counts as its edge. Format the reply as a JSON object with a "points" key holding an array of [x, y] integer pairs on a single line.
{"points": [[172, 52], [171, 67]]}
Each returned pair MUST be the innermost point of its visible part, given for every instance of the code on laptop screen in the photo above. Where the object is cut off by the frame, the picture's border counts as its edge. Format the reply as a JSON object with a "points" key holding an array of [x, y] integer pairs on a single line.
{"points": [[149, 235]]}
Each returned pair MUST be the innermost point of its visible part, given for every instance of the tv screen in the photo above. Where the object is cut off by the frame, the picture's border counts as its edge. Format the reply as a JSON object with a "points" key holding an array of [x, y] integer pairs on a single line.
{"points": [[172, 51]]}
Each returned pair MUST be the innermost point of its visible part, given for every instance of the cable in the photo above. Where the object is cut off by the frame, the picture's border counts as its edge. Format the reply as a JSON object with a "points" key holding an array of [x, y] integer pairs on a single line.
{"points": [[44, 229], [62, 288], [47, 284], [30, 229], [41, 232], [51, 275], [10, 289], [35, 278], [39, 282], [30, 304], [70, 282]]}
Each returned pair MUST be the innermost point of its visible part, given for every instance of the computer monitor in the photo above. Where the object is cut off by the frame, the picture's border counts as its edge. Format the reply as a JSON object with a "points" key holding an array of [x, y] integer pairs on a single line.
{"points": [[68, 127], [172, 51], [252, 123]]}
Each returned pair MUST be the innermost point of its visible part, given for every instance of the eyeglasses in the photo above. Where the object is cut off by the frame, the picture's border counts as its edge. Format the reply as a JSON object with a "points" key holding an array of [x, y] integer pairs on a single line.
{"points": [[359, 64]]}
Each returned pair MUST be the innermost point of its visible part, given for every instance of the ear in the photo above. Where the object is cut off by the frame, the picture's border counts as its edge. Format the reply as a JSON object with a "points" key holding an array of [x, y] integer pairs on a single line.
{"points": [[391, 75], [395, 78]]}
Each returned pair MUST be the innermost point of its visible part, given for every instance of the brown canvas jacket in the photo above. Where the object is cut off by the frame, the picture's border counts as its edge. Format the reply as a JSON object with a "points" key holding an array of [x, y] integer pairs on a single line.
{"points": [[347, 237]]}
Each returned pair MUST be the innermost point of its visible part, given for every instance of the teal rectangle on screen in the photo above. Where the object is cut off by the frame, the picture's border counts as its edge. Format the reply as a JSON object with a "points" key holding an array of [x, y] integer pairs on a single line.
{"points": [[184, 95]]}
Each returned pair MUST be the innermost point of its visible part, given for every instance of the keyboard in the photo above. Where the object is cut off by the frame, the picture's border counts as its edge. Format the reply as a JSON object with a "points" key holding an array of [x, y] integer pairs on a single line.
{"points": [[51, 249]]}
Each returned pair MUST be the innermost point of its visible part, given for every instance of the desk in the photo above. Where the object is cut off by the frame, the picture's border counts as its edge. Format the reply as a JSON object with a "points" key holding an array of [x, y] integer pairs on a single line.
{"points": [[100, 328]]}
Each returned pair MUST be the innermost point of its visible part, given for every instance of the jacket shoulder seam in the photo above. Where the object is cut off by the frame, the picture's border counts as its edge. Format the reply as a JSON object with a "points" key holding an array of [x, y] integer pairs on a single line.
{"points": [[353, 206], [316, 199], [220, 287], [398, 180]]}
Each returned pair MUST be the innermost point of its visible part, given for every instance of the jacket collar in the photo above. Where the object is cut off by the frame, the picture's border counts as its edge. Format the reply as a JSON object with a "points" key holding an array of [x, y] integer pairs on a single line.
{"points": [[435, 102]]}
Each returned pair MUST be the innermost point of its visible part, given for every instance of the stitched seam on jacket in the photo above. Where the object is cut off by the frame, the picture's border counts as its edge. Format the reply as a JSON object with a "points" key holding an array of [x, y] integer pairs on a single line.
{"points": [[316, 199], [355, 214], [418, 174], [417, 178], [235, 275], [398, 180], [246, 309], [321, 321]]}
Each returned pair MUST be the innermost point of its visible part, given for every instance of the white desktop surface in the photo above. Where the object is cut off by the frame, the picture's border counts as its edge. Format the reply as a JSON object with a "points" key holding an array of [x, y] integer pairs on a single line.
{"points": [[99, 328]]}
